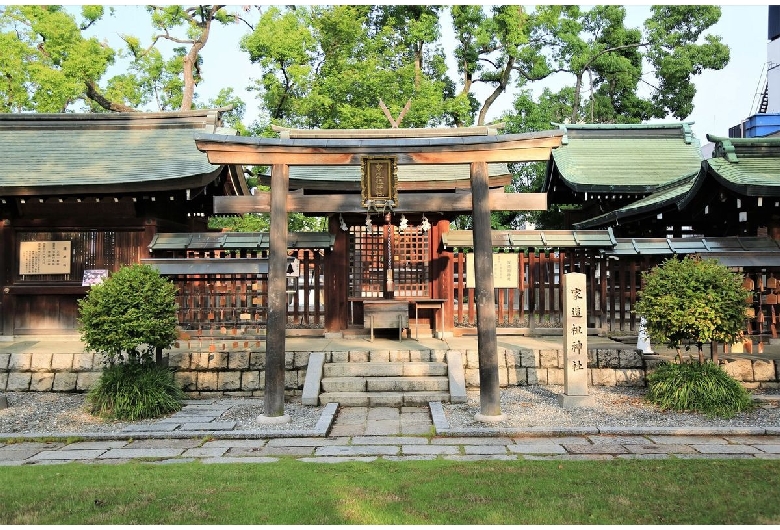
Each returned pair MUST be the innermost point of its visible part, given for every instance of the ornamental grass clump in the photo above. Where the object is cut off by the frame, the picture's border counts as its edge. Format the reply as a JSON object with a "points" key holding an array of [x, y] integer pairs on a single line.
{"points": [[702, 387], [130, 318]]}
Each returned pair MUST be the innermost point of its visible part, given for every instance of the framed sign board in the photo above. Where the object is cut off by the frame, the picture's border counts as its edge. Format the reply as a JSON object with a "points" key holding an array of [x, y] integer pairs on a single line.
{"points": [[379, 181], [505, 271], [44, 257]]}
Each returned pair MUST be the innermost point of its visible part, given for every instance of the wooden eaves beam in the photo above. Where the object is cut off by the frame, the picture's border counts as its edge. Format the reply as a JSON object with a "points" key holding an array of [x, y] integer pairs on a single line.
{"points": [[407, 203]]}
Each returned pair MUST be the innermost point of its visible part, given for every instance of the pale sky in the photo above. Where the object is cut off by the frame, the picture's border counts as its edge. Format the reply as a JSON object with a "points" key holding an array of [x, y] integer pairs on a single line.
{"points": [[724, 98]]}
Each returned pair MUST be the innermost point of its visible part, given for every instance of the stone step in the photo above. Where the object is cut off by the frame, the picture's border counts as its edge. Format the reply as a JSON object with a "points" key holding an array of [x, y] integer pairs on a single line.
{"points": [[385, 384], [383, 399], [383, 369]]}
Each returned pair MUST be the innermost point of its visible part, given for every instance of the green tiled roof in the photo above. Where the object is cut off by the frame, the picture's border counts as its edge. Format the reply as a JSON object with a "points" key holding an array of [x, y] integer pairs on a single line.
{"points": [[58, 153], [236, 240], [666, 196], [625, 158], [750, 166]]}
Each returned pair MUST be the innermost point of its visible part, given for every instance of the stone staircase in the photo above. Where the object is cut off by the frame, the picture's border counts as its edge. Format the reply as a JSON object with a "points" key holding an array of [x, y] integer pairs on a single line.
{"points": [[384, 379]]}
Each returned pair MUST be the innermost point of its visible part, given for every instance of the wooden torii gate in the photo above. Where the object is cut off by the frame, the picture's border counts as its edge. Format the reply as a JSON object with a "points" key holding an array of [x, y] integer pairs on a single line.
{"points": [[476, 146]]}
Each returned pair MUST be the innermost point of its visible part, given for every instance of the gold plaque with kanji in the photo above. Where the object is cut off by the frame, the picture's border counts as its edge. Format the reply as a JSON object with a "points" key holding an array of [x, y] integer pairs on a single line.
{"points": [[379, 181]]}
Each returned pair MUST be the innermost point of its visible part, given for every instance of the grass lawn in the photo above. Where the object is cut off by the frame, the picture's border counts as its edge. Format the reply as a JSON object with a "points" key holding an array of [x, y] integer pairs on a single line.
{"points": [[427, 492]]}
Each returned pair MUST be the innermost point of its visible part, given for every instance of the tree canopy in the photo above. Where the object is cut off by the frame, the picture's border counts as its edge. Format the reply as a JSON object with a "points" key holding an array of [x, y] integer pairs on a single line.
{"points": [[350, 66]]}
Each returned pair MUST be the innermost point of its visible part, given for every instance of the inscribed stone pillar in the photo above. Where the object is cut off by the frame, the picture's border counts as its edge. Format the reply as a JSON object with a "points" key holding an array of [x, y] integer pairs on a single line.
{"points": [[575, 343]]}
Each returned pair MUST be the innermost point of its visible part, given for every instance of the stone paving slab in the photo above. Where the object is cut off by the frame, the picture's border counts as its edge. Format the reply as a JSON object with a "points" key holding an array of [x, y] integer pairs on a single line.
{"points": [[484, 449], [591, 449], [337, 459], [159, 452], [97, 444], [714, 456], [74, 454], [307, 442], [544, 448], [768, 448], [209, 426], [576, 458], [236, 443], [643, 456], [682, 439], [204, 452], [179, 443], [753, 440], [357, 450], [618, 439], [160, 427], [284, 451], [551, 439], [471, 441], [725, 448], [240, 460], [476, 458], [410, 458], [417, 449], [387, 440], [644, 449]]}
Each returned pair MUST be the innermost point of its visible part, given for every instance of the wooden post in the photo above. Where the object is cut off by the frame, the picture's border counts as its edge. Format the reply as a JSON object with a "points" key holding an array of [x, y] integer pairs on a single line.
{"points": [[489, 389], [336, 264], [277, 296]]}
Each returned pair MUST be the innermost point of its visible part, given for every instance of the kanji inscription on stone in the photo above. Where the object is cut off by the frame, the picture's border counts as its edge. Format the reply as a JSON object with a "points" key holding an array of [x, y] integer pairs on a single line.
{"points": [[575, 342]]}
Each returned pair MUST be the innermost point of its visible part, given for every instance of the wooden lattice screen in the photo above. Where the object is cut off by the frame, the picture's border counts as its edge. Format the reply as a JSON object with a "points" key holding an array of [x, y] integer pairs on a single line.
{"points": [[409, 250]]}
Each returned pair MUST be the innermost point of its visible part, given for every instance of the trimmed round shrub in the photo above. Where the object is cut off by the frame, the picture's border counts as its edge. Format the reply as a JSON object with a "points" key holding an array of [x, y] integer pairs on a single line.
{"points": [[129, 316], [697, 387], [135, 391]]}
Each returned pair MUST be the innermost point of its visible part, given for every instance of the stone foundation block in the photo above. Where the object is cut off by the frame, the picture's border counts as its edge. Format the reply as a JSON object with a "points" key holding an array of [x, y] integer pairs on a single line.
{"points": [[555, 376], [4, 358], [472, 359], [630, 377], [516, 376], [291, 380], [62, 362], [289, 359], [459, 354], [529, 358], [630, 358], [764, 370], [341, 356], [218, 360], [607, 358], [20, 361], [84, 362], [3, 381], [42, 381], [18, 381], [86, 380], [739, 369], [301, 359], [229, 380], [207, 382], [257, 360], [399, 356], [250, 380], [382, 356], [40, 362], [188, 381], [64, 382], [200, 360], [438, 356], [550, 358], [420, 356], [511, 358], [472, 377], [602, 376], [503, 377], [238, 360], [358, 356], [178, 359], [537, 376]]}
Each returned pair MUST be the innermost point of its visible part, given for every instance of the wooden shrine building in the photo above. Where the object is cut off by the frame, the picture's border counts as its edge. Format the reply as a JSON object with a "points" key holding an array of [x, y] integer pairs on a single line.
{"points": [[83, 194]]}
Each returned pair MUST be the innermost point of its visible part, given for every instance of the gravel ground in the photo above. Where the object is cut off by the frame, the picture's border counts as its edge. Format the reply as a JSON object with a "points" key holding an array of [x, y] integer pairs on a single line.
{"points": [[527, 406], [537, 406], [60, 413]]}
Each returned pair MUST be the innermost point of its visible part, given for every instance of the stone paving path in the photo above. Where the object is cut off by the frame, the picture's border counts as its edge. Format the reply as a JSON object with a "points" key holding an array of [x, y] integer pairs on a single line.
{"points": [[368, 434]]}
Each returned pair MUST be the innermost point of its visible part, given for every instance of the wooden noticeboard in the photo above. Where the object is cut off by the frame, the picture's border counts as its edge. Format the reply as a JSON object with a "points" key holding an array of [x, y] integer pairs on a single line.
{"points": [[44, 257], [505, 271]]}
